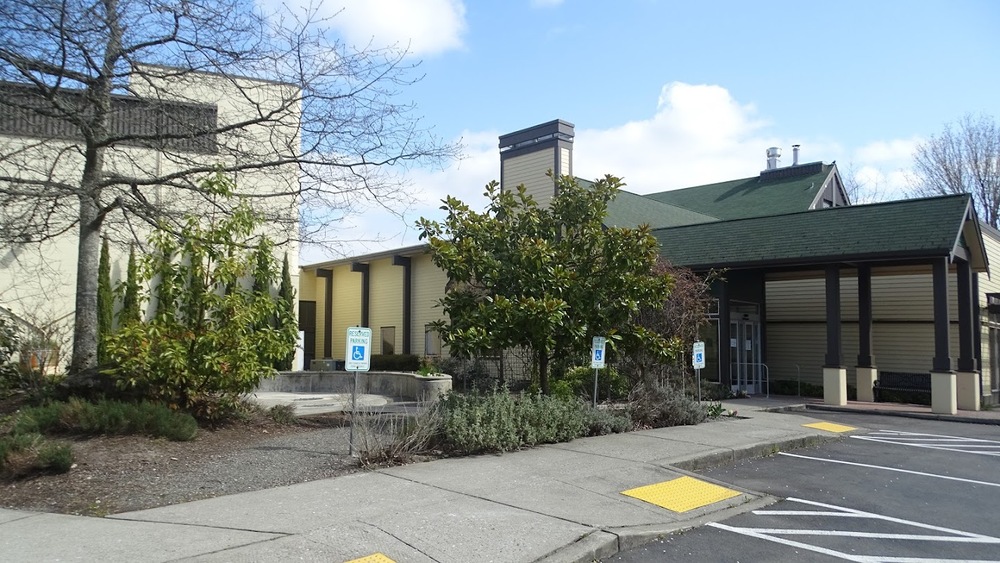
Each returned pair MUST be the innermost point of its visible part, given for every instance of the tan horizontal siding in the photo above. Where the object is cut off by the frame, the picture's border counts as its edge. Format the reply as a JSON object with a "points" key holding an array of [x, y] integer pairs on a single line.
{"points": [[530, 169], [894, 298], [346, 306], [896, 347], [386, 303], [429, 283]]}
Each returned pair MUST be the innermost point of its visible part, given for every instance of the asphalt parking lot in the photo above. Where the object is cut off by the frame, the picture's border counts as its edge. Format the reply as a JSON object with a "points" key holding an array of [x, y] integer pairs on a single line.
{"points": [[893, 490]]}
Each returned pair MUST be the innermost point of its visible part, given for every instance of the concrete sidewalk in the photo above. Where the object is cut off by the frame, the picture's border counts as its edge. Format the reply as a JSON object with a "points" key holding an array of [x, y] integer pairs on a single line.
{"points": [[561, 502]]}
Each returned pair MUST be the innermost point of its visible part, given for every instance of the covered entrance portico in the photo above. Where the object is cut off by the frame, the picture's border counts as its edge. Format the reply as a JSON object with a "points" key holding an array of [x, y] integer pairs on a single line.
{"points": [[937, 238]]}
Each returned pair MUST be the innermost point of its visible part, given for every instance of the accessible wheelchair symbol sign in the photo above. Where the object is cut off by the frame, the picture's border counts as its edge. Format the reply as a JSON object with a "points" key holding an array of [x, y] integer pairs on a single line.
{"points": [[359, 349]]}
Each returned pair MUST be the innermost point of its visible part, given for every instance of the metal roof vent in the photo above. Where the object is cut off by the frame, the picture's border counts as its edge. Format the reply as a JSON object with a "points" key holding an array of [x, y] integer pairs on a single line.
{"points": [[795, 155], [773, 157]]}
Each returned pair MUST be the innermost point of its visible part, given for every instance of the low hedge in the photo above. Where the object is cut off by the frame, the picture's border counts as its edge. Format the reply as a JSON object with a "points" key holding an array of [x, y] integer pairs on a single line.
{"points": [[395, 362]]}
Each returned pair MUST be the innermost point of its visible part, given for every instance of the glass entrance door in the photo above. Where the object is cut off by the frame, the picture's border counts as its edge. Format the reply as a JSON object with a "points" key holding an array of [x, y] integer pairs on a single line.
{"points": [[745, 367]]}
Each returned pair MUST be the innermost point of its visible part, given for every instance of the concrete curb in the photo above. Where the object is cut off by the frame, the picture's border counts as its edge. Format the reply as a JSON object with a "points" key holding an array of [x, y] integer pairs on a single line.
{"points": [[603, 543], [594, 546], [752, 451], [901, 414]]}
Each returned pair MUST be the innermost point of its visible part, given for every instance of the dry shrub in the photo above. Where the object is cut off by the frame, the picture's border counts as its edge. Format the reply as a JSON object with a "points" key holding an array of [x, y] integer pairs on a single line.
{"points": [[386, 439]]}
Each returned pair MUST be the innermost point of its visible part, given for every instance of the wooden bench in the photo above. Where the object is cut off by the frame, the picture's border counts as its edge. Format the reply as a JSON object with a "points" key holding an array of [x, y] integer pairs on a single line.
{"points": [[903, 382]]}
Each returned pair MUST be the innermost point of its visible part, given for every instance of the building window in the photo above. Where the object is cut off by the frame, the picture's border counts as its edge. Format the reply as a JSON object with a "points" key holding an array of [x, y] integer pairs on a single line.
{"points": [[432, 341], [388, 340]]}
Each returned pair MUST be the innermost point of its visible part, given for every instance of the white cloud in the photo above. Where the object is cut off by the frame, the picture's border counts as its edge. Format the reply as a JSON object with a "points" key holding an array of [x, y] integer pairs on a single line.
{"points": [[428, 27], [698, 134], [545, 3], [894, 151]]}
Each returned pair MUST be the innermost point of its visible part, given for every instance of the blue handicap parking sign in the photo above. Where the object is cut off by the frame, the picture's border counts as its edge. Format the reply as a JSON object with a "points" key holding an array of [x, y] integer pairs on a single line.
{"points": [[357, 353], [597, 354], [699, 358]]}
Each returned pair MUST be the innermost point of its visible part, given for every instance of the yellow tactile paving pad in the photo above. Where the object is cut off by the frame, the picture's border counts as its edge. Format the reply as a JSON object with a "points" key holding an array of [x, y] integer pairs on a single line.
{"points": [[830, 427], [373, 558], [681, 494]]}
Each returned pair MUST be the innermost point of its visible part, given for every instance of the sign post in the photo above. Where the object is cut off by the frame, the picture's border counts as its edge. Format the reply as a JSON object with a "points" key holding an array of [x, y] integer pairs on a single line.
{"points": [[359, 358], [698, 361], [597, 359]]}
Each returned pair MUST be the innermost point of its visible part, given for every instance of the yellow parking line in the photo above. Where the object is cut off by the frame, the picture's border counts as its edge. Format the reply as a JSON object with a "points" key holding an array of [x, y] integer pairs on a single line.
{"points": [[681, 494], [373, 558], [830, 427]]}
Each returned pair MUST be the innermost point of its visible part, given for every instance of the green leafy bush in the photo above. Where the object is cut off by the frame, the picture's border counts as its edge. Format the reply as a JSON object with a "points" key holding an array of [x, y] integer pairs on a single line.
{"points": [[283, 414], [498, 421], [55, 457], [656, 407], [31, 452], [9, 343], [598, 422], [579, 382], [395, 362], [465, 373], [211, 338], [715, 410], [106, 417]]}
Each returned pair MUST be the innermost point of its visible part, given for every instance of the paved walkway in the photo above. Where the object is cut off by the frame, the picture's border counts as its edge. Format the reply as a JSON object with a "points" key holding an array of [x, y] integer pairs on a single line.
{"points": [[561, 502]]}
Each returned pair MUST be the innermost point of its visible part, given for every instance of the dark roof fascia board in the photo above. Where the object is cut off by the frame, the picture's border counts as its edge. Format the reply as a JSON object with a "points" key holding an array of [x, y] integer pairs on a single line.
{"points": [[546, 144], [365, 258], [884, 259], [555, 128]]}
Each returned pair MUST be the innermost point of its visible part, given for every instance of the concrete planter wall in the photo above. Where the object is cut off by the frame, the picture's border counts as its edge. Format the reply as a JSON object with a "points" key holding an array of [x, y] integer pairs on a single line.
{"points": [[405, 386]]}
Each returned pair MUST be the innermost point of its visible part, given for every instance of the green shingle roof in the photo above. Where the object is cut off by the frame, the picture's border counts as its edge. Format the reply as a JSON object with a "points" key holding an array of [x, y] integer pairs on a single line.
{"points": [[631, 210], [785, 190], [917, 228]]}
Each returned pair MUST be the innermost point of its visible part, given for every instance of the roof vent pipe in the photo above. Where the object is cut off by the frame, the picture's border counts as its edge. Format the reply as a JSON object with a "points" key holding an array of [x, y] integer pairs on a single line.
{"points": [[795, 155], [773, 157]]}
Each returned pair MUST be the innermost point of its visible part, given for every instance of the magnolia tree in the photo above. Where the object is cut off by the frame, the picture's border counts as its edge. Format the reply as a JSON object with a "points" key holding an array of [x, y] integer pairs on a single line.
{"points": [[544, 278]]}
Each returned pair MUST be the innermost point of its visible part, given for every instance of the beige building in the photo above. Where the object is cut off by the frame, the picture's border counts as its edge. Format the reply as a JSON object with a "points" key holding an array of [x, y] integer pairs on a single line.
{"points": [[814, 290], [155, 121]]}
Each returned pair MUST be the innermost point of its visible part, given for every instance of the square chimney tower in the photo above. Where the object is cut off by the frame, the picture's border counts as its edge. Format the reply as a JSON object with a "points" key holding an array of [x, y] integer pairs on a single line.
{"points": [[527, 155]]}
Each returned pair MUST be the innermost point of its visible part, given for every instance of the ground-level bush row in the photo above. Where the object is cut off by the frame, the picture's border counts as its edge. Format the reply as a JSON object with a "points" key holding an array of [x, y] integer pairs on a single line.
{"points": [[497, 421], [24, 448]]}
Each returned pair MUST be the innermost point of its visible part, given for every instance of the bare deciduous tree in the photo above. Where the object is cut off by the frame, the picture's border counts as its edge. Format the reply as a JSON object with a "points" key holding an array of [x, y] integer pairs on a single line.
{"points": [[112, 111], [964, 158], [863, 188]]}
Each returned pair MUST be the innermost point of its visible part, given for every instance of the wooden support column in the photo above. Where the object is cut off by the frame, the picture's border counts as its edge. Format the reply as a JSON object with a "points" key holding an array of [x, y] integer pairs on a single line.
{"points": [[834, 373], [365, 290], [943, 400], [407, 265], [865, 372], [327, 311], [967, 379]]}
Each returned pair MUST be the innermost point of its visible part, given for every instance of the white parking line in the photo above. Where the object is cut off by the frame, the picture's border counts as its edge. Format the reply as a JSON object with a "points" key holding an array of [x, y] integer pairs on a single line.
{"points": [[948, 535], [896, 469], [959, 444]]}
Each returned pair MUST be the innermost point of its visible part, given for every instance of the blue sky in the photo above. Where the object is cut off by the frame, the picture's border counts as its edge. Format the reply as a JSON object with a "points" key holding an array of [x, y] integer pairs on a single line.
{"points": [[669, 94]]}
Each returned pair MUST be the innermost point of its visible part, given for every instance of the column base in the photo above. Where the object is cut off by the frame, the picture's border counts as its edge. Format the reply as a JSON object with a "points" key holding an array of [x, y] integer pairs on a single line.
{"points": [[943, 393], [865, 381], [967, 390], [835, 386]]}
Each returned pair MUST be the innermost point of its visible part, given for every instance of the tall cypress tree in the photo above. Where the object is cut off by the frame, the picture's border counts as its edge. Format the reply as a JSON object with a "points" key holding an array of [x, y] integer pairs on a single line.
{"points": [[129, 312], [286, 297], [105, 303]]}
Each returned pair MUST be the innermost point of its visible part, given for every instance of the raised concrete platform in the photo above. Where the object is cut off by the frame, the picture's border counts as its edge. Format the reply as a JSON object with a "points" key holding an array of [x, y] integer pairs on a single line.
{"points": [[401, 385]]}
